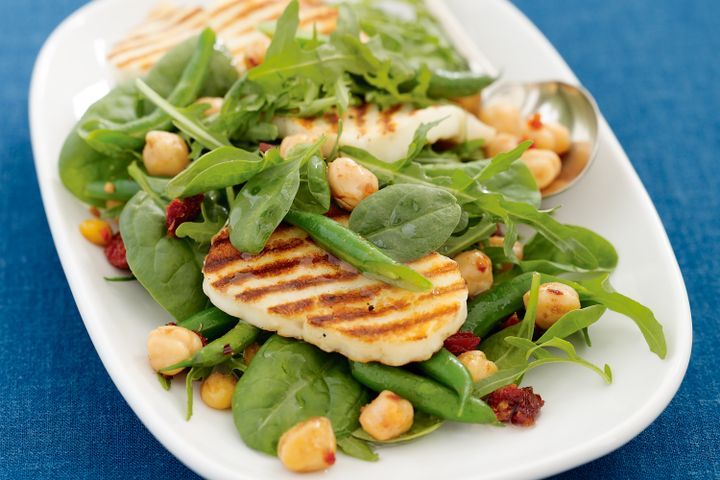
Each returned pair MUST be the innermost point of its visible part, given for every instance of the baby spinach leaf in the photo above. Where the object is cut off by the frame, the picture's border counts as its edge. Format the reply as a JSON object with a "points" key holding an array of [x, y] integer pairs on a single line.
{"points": [[457, 243], [357, 448], [223, 167], [261, 205], [165, 73], [167, 267], [476, 199], [541, 255], [423, 424], [80, 164], [314, 191], [573, 322], [406, 221], [289, 381]]}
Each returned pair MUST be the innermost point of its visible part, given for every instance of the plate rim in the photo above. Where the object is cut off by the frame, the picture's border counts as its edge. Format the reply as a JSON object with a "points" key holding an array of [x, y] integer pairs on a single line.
{"points": [[611, 440]]}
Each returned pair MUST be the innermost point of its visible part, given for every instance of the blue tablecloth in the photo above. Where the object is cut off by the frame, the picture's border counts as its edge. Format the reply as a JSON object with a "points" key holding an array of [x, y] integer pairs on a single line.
{"points": [[653, 67]]}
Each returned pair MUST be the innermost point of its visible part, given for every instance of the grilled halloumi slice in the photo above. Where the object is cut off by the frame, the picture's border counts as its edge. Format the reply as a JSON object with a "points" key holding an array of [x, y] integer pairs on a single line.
{"points": [[296, 289], [235, 22], [386, 134]]}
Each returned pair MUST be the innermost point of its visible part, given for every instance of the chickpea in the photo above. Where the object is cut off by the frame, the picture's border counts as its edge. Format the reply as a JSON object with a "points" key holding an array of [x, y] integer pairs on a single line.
{"points": [[170, 344], [289, 142], [545, 165], [555, 299], [503, 116], [309, 446], [476, 269], [250, 352], [561, 135], [217, 390], [477, 364], [542, 137], [215, 104], [386, 417], [299, 138], [350, 183], [255, 51], [499, 242], [502, 142], [165, 154], [96, 231]]}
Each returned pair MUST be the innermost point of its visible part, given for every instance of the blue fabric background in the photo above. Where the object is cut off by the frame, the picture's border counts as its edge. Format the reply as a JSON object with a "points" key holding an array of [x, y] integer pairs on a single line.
{"points": [[653, 67]]}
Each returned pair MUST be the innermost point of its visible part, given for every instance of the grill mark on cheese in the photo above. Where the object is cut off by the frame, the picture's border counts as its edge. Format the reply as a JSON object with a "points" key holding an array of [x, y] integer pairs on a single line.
{"points": [[396, 306], [293, 307], [317, 16], [349, 297], [276, 268], [360, 114], [165, 30], [370, 331], [223, 253], [300, 283], [441, 269], [250, 8], [387, 125], [360, 294], [165, 27]]}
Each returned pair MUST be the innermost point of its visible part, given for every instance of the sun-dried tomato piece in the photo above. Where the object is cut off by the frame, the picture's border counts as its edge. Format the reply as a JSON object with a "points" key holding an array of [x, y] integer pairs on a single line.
{"points": [[115, 253], [517, 405], [461, 342], [264, 147], [510, 321], [182, 210]]}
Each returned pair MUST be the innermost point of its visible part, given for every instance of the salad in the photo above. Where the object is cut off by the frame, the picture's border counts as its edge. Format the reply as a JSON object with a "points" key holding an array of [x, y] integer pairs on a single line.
{"points": [[334, 225]]}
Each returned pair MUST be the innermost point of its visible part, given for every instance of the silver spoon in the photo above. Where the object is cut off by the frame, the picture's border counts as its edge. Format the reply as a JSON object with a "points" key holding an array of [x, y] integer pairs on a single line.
{"points": [[569, 105]]}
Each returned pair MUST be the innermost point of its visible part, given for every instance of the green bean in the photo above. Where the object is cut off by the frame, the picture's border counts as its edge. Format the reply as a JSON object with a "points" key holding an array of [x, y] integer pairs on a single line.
{"points": [[211, 323], [122, 190], [448, 370], [426, 395], [217, 351], [487, 309], [358, 252], [446, 84]]}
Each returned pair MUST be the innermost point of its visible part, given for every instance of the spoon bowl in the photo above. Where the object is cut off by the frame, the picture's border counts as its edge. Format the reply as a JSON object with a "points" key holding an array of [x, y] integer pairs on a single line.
{"points": [[569, 105]]}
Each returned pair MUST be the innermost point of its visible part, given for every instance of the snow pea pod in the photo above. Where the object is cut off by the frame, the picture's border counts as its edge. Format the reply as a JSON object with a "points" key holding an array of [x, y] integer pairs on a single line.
{"points": [[358, 252], [426, 395], [211, 323], [448, 370], [447, 84], [217, 351]]}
